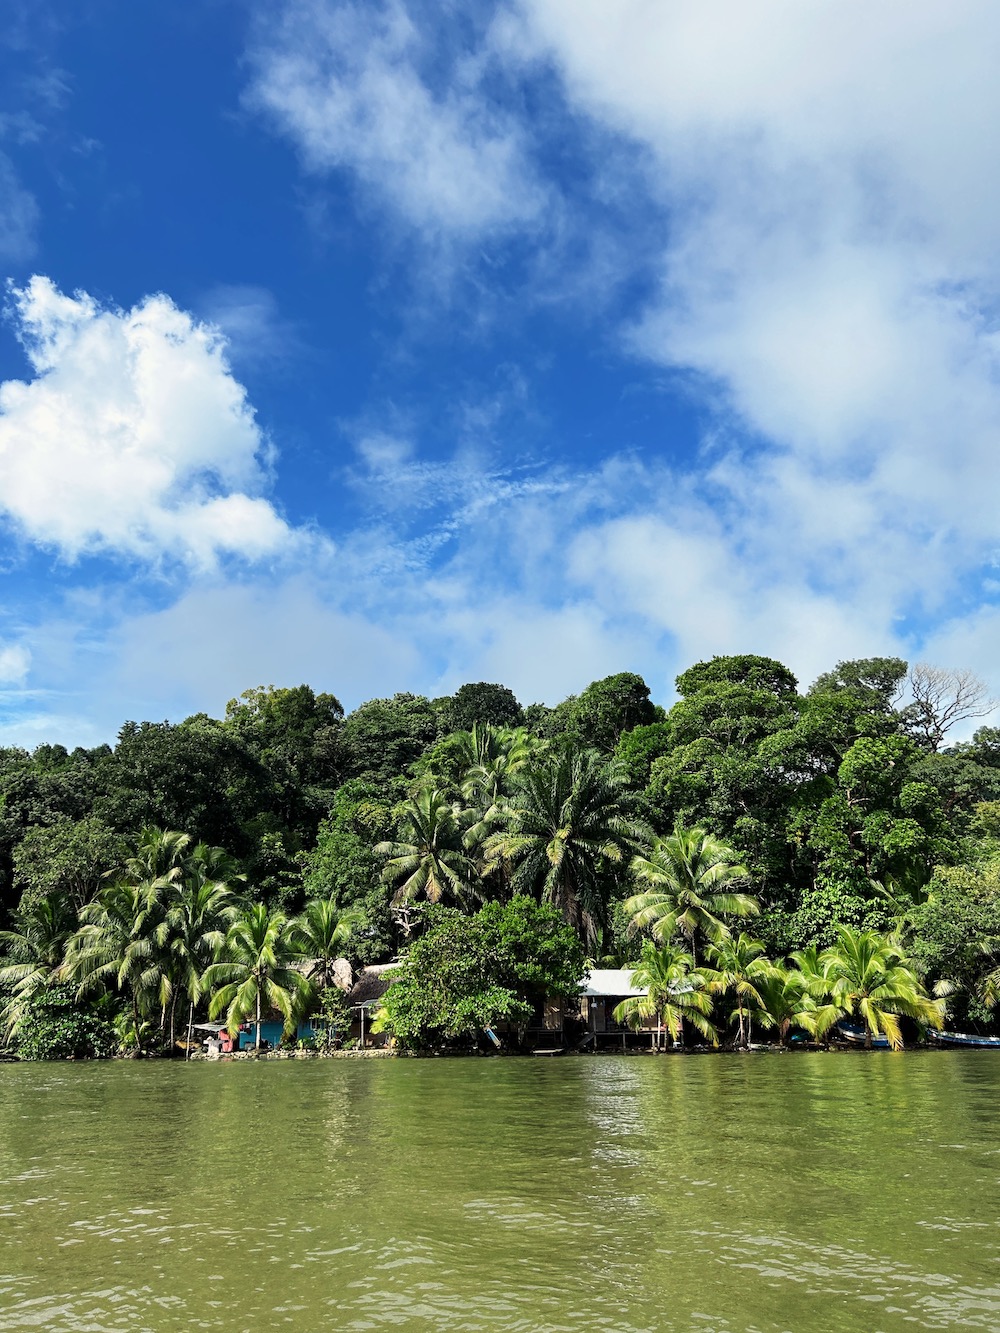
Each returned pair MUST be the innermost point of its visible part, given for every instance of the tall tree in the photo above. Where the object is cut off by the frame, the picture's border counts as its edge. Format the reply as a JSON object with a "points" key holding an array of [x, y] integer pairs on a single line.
{"points": [[428, 859], [118, 947], [70, 858], [32, 953], [256, 972], [568, 823], [688, 887], [322, 933], [865, 976], [201, 905], [482, 704], [610, 707], [384, 737], [121, 942], [737, 966], [942, 698], [675, 993]]}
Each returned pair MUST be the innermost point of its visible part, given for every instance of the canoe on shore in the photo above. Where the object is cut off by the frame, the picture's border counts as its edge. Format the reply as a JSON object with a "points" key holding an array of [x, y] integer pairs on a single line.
{"points": [[858, 1036], [966, 1039]]}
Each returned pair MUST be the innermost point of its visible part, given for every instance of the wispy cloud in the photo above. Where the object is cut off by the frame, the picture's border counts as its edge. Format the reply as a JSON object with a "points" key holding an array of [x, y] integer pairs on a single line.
{"points": [[18, 215], [360, 88], [257, 335]]}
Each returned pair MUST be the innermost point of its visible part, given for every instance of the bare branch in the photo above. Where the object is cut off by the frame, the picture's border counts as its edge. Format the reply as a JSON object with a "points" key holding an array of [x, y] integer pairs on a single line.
{"points": [[943, 697]]}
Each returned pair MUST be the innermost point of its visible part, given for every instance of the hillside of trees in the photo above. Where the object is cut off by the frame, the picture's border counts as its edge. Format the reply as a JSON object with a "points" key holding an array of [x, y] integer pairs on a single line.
{"points": [[842, 805]]}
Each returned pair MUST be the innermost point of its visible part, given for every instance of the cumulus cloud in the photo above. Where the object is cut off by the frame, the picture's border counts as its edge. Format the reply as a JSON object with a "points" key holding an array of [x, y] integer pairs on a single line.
{"points": [[133, 437], [354, 85]]}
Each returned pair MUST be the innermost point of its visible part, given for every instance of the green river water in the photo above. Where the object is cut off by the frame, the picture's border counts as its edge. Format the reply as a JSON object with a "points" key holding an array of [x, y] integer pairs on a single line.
{"points": [[804, 1192]]}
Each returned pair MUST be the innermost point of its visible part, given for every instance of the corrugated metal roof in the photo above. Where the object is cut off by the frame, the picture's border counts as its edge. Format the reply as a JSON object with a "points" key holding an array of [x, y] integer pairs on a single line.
{"points": [[610, 981]]}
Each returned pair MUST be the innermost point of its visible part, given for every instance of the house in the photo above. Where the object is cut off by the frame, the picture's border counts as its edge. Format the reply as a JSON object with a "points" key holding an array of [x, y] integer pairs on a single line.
{"points": [[601, 990]]}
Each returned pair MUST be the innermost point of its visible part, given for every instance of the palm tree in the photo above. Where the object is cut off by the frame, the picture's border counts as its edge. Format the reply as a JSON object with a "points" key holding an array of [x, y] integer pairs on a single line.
{"points": [[675, 993], [866, 976], [688, 879], [118, 945], [738, 965], [493, 758], [785, 1002], [428, 859], [321, 933], [153, 931], [34, 950], [159, 858], [194, 928], [256, 970], [566, 824]]}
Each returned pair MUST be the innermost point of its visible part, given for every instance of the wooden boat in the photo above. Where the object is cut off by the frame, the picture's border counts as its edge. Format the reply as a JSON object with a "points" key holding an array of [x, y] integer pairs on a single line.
{"points": [[966, 1039], [859, 1036]]}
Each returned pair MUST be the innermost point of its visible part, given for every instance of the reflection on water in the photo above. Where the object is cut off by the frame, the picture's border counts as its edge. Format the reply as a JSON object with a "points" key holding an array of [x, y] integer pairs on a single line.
{"points": [[757, 1194]]}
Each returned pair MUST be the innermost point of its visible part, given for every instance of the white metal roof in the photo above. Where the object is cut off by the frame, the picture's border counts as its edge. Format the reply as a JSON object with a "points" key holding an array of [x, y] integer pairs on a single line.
{"points": [[610, 981]]}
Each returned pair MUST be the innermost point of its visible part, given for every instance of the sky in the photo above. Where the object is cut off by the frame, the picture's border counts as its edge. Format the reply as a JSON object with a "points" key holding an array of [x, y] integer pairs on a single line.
{"points": [[385, 346]]}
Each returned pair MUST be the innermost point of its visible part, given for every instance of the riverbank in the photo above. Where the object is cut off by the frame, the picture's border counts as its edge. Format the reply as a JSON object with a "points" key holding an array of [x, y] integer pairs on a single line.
{"points": [[380, 1053]]}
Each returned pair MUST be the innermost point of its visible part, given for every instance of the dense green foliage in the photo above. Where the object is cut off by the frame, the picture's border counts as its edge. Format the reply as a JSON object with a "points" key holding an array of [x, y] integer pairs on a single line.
{"points": [[56, 1028], [201, 865], [470, 972]]}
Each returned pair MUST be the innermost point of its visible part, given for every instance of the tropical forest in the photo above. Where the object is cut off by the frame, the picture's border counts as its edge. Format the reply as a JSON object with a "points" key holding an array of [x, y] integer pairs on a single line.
{"points": [[767, 860]]}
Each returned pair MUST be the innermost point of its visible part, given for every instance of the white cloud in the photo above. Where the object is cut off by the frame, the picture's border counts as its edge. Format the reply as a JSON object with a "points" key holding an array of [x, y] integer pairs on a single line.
{"points": [[256, 333], [829, 273], [18, 215], [282, 633], [133, 437], [352, 85], [15, 662]]}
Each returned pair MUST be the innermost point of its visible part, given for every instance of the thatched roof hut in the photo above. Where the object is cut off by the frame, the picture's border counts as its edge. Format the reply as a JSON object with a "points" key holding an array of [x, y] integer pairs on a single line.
{"points": [[371, 984]]}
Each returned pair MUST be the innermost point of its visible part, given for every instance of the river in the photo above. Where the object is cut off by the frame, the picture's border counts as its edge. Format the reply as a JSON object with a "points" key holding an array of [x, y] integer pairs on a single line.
{"points": [[799, 1193]]}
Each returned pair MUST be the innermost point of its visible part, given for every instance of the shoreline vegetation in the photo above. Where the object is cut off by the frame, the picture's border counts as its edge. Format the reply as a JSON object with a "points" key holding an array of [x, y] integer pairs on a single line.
{"points": [[765, 867]]}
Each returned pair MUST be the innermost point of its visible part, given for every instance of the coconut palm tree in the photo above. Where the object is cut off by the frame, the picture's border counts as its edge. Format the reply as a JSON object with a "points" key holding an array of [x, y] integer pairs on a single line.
{"points": [[567, 823], [202, 907], [865, 976], [675, 993], [785, 1002], [118, 946], [738, 966], [34, 951], [428, 860], [159, 857], [256, 972], [123, 941], [321, 934], [688, 881]]}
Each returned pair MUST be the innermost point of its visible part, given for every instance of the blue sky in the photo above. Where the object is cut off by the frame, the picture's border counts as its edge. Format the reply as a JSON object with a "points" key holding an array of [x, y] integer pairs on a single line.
{"points": [[394, 345]]}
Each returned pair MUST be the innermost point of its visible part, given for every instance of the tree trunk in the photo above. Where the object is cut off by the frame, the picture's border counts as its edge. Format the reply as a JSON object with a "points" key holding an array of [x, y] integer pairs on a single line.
{"points": [[173, 1021], [187, 1053], [135, 1024], [257, 1043]]}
